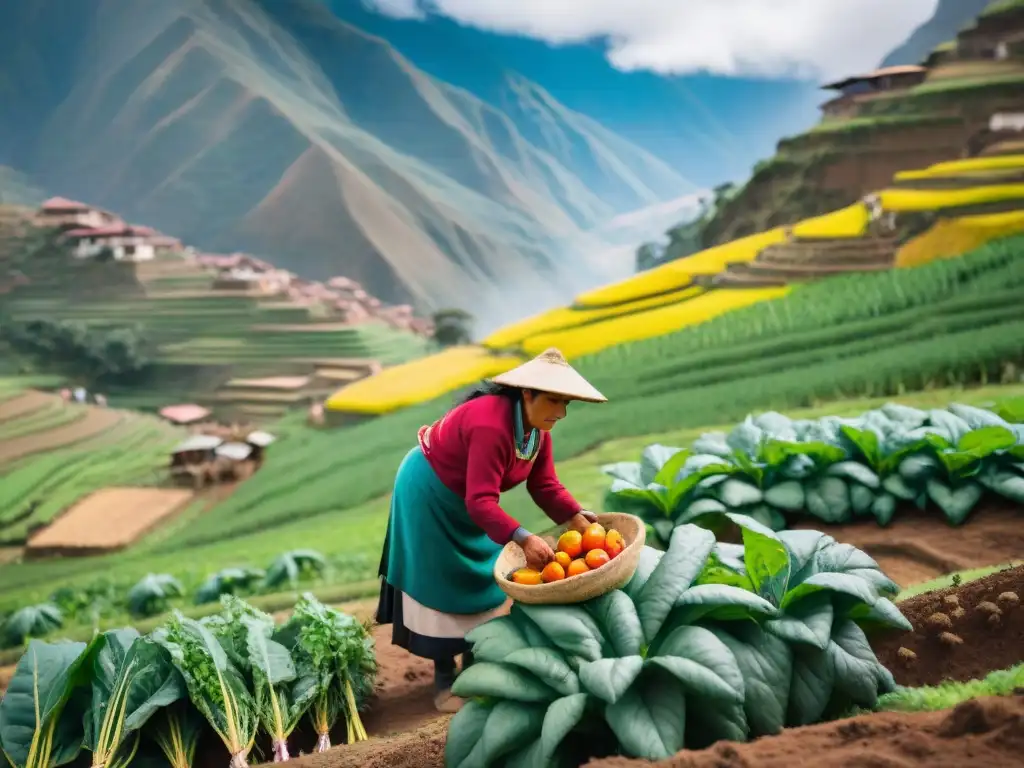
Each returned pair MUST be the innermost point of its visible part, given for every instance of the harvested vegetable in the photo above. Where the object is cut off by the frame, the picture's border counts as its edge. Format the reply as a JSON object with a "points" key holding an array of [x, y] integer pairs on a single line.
{"points": [[40, 714], [215, 686], [31, 621], [575, 554], [707, 641], [334, 652], [836, 470], [131, 679], [150, 596], [289, 567], [176, 731]]}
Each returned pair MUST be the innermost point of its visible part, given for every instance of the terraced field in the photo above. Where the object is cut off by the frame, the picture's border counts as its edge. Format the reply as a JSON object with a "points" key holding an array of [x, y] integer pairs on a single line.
{"points": [[53, 453]]}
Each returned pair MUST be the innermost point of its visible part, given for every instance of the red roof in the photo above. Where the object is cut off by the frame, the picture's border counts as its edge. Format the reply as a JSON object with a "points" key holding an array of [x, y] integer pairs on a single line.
{"points": [[184, 414], [63, 204]]}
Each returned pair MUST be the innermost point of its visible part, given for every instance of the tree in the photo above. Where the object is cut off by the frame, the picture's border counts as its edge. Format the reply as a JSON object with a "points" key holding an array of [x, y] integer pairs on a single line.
{"points": [[452, 327]]}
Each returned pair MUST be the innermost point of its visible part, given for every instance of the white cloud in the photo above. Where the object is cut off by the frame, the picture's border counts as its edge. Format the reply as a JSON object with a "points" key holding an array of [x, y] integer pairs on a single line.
{"points": [[397, 9], [763, 38]]}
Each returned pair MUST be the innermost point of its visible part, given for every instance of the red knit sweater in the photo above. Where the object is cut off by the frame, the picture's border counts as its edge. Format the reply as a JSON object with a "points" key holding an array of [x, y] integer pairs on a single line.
{"points": [[472, 451]]}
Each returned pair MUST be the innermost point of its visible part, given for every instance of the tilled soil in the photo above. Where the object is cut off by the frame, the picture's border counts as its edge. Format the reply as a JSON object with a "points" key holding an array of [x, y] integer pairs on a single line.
{"points": [[96, 420], [960, 633], [918, 546]]}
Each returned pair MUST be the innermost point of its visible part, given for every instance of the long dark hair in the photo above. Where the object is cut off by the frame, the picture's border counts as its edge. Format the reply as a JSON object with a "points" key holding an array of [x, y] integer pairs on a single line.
{"points": [[488, 387]]}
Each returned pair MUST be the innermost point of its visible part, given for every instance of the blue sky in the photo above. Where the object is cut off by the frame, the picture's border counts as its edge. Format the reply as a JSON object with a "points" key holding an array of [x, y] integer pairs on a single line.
{"points": [[708, 85]]}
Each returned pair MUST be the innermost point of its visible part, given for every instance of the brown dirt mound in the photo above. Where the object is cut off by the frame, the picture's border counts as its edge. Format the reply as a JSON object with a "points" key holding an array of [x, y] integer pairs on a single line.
{"points": [[919, 546], [96, 420], [979, 644], [986, 731]]}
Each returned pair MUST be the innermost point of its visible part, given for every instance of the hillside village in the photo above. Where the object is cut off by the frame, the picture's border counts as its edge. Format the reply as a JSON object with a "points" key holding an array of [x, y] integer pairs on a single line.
{"points": [[231, 335]]}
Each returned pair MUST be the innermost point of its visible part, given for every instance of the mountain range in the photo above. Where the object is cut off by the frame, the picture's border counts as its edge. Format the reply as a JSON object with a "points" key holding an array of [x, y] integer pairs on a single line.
{"points": [[277, 128]]}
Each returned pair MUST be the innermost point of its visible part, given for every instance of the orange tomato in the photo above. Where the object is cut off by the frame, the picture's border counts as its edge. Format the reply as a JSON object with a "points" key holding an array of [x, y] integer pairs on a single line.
{"points": [[563, 558], [552, 572], [527, 576], [613, 542], [593, 537], [578, 566], [596, 558], [571, 542]]}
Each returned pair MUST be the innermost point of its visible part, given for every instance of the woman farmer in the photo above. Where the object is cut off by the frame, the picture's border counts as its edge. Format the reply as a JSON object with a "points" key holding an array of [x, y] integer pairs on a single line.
{"points": [[446, 527]]}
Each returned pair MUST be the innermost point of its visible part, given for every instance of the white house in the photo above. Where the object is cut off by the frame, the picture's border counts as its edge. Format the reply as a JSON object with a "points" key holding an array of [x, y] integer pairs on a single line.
{"points": [[125, 242], [61, 212], [1006, 121]]}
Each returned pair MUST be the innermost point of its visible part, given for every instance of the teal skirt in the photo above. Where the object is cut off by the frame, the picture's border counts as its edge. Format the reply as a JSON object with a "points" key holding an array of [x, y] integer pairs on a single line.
{"points": [[433, 551]]}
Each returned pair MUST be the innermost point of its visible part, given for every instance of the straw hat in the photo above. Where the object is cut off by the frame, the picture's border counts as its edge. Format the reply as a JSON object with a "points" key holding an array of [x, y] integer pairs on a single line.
{"points": [[549, 372]]}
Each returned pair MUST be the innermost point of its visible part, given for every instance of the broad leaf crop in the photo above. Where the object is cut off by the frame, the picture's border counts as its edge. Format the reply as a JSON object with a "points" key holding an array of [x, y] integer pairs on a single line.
{"points": [[836, 470], [708, 641]]}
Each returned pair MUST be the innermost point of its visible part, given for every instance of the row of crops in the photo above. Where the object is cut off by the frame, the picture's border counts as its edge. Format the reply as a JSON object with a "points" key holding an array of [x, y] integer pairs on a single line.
{"points": [[35, 490], [709, 641], [155, 594], [126, 698], [835, 470], [946, 324]]}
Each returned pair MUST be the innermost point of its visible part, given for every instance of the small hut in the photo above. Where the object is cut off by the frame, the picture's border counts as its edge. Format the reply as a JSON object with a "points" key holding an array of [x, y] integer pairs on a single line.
{"points": [[189, 458], [188, 413], [258, 441]]}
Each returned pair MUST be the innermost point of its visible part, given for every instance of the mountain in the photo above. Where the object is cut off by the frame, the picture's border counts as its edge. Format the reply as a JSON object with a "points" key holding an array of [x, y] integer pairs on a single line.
{"points": [[949, 18], [276, 128]]}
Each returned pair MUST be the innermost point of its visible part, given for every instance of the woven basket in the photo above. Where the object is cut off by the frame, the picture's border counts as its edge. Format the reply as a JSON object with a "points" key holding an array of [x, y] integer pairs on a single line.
{"points": [[614, 574]]}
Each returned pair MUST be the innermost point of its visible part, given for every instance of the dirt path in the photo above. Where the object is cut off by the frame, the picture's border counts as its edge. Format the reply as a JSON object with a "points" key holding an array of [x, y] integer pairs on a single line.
{"points": [[96, 420], [919, 546], [24, 403]]}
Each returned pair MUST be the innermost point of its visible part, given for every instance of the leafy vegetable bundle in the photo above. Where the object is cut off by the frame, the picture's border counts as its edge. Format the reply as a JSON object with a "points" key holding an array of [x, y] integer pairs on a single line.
{"points": [[708, 641], [835, 469], [124, 695]]}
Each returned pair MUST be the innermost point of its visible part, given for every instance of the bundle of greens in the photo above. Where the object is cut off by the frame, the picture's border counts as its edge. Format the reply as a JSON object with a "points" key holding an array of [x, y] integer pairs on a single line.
{"points": [[336, 651]]}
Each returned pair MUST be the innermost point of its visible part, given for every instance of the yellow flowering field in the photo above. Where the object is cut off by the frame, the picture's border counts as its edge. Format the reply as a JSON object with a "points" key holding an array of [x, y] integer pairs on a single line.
{"points": [[677, 274], [420, 380], [851, 221], [954, 237], [965, 167], [570, 317], [584, 340], [935, 199]]}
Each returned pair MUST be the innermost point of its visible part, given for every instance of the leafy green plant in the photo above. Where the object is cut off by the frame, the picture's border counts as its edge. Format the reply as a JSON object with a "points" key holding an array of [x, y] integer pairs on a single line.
{"points": [[230, 581], [151, 594], [31, 621], [835, 470], [708, 641], [41, 713], [335, 652], [215, 686], [289, 567], [131, 679], [176, 731]]}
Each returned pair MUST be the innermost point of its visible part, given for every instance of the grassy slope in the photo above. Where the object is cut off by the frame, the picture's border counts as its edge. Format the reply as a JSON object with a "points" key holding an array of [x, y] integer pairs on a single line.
{"points": [[352, 537]]}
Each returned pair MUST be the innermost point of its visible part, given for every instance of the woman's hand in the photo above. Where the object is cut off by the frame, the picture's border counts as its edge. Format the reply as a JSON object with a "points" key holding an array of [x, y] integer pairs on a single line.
{"points": [[538, 552], [582, 520]]}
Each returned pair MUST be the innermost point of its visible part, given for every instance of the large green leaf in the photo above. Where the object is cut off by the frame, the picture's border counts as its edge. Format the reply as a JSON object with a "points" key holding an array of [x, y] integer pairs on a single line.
{"points": [[843, 583], [132, 678], [609, 679], [702, 663], [507, 725], [810, 687], [766, 663], [559, 720], [719, 602], [650, 719], [570, 628], [496, 639], [956, 502], [688, 551], [501, 681], [854, 665], [865, 443], [549, 666], [807, 621], [44, 681], [616, 614], [765, 558], [649, 559], [531, 634], [464, 733]]}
